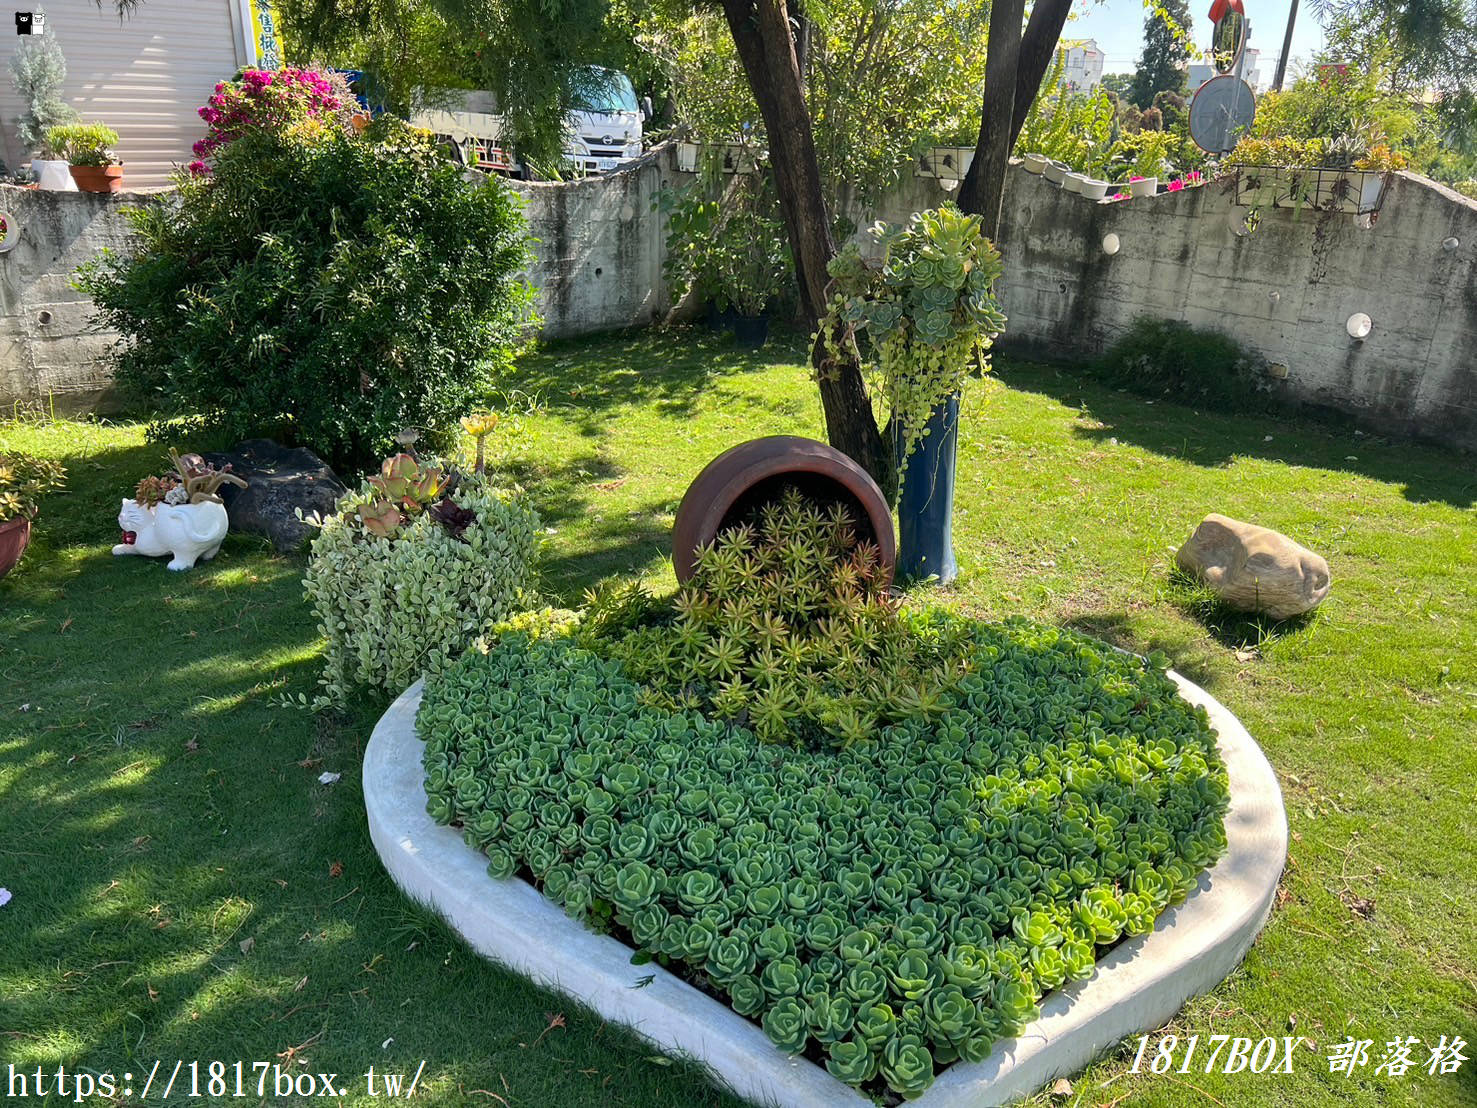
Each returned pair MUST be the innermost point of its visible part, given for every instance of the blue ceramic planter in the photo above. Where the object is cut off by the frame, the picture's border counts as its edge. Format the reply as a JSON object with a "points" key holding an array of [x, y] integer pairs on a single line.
{"points": [[926, 505]]}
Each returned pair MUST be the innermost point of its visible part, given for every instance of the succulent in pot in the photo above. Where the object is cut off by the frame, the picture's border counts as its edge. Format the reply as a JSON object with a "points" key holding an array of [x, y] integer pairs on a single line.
{"points": [[88, 147], [180, 514], [23, 481]]}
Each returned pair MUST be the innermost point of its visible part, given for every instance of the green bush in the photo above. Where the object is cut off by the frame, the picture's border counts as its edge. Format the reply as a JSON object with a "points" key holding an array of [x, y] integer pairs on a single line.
{"points": [[1159, 357], [887, 907], [322, 287], [393, 607]]}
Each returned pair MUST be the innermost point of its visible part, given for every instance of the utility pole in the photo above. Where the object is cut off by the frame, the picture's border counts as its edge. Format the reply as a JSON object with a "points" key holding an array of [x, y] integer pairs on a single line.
{"points": [[1292, 14]]}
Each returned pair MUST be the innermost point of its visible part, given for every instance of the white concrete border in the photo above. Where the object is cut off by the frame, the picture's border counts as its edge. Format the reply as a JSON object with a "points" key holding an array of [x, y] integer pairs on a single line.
{"points": [[1135, 988]]}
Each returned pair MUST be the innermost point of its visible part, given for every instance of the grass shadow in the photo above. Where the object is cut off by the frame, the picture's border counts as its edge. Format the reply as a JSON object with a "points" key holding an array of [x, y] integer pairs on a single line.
{"points": [[1232, 628], [1424, 473]]}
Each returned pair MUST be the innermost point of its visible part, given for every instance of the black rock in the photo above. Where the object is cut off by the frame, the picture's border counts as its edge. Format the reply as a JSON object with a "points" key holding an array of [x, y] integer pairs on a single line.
{"points": [[280, 480]]}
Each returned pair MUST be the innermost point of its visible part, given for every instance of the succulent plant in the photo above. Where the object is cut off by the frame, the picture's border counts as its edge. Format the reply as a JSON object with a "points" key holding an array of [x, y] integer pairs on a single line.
{"points": [[151, 491], [892, 906], [24, 479]]}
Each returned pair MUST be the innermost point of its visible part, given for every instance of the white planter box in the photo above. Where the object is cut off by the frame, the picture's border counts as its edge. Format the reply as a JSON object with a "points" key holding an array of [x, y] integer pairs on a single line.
{"points": [[1135, 987], [53, 174], [1147, 186]]}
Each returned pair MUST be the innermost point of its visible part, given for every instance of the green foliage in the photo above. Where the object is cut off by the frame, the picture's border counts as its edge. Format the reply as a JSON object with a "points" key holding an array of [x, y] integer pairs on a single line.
{"points": [[1159, 356], [1167, 46], [920, 312], [1074, 128], [24, 480], [786, 624], [890, 907], [323, 287], [87, 144], [1143, 154], [726, 242], [1339, 116], [393, 608], [883, 82], [38, 71]]}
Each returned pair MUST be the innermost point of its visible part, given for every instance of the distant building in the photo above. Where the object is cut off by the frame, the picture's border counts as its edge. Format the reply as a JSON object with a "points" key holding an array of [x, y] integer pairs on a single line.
{"points": [[1200, 72], [1083, 71]]}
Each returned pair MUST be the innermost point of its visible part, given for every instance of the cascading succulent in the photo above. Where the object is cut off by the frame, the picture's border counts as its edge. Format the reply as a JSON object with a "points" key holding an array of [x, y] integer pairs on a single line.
{"points": [[887, 907]]}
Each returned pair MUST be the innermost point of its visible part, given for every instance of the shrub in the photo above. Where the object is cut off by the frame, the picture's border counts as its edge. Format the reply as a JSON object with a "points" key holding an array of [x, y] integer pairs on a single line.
{"points": [[270, 100], [86, 144], [1166, 356], [394, 604], [321, 287], [887, 907]]}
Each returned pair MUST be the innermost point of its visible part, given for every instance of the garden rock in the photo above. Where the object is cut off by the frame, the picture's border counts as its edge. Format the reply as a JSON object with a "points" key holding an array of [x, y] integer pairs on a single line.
{"points": [[1255, 569], [279, 481]]}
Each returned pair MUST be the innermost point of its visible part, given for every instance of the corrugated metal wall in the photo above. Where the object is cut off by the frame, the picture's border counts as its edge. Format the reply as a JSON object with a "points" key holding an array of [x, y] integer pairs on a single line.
{"points": [[144, 76]]}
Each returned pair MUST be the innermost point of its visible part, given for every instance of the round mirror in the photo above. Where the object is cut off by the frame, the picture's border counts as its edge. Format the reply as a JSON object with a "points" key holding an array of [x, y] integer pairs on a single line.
{"points": [[1359, 326], [1227, 41]]}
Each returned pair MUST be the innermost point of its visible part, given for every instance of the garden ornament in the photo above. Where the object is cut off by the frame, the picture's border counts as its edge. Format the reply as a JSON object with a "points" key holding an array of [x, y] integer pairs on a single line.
{"points": [[186, 531]]}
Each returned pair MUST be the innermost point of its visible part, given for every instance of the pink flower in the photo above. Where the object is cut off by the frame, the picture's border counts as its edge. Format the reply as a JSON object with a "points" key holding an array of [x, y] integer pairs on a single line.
{"points": [[1132, 179], [198, 169], [1176, 185]]}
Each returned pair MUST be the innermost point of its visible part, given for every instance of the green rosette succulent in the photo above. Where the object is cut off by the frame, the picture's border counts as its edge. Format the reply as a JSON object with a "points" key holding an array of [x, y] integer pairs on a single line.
{"points": [[852, 1061], [787, 1025]]}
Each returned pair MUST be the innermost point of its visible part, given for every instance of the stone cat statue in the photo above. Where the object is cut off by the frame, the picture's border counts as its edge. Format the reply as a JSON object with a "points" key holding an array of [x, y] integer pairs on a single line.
{"points": [[186, 531]]}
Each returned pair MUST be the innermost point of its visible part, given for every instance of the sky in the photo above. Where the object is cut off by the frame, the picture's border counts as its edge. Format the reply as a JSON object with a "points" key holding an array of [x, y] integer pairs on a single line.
{"points": [[1118, 26]]}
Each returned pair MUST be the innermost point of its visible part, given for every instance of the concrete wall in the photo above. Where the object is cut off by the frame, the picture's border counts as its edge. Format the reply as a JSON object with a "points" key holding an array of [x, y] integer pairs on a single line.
{"points": [[49, 350], [1285, 291], [599, 248]]}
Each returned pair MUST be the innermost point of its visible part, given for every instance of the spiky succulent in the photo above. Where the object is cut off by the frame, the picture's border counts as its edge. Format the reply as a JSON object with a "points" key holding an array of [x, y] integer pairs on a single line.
{"points": [[888, 907], [786, 626]]}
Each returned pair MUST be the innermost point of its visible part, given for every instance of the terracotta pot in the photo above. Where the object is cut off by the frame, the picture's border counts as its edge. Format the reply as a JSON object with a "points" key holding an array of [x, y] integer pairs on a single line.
{"points": [[15, 536], [737, 483], [98, 178]]}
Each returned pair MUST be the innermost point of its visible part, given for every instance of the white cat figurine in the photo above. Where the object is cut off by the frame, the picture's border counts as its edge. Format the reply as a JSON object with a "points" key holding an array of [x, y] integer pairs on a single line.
{"points": [[187, 531]]}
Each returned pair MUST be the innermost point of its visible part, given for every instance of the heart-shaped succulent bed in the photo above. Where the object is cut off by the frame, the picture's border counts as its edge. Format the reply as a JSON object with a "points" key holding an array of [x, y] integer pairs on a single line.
{"points": [[886, 906]]}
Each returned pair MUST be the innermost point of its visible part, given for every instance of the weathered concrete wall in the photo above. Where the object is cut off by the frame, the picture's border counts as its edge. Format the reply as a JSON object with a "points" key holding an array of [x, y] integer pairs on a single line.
{"points": [[49, 350], [599, 248], [1285, 291]]}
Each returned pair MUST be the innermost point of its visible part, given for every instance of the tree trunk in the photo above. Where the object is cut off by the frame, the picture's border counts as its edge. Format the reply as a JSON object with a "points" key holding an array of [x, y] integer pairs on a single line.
{"points": [[762, 33], [984, 185], [1033, 53]]}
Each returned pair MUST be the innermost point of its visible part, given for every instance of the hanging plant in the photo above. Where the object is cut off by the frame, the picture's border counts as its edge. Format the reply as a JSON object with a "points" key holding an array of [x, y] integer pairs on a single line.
{"points": [[918, 309]]}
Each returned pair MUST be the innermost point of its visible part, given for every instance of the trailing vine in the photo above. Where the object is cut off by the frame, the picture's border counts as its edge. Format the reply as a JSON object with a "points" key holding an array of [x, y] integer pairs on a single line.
{"points": [[918, 310]]}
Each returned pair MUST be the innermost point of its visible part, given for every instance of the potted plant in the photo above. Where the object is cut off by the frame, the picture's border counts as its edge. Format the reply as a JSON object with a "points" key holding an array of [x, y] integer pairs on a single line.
{"points": [[23, 481], [920, 309], [180, 514], [38, 72], [88, 148], [730, 251], [1036, 163]]}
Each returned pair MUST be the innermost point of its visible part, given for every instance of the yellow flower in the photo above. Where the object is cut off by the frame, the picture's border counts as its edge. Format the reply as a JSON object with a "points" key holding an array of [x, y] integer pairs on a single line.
{"points": [[479, 423]]}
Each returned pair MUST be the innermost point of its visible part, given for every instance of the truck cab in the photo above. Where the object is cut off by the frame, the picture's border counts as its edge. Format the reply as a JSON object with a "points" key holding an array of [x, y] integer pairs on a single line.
{"points": [[606, 132]]}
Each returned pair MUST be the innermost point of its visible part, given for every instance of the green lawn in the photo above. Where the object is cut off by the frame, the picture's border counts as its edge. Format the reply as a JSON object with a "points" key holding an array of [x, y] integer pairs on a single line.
{"points": [[185, 888]]}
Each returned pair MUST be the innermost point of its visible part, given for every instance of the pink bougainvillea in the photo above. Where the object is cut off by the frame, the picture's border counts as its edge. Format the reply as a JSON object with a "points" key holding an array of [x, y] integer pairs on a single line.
{"points": [[267, 99], [1176, 185]]}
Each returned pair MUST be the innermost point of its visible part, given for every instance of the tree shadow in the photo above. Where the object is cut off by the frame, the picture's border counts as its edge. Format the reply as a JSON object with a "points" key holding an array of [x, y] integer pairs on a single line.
{"points": [[665, 368], [1187, 655], [1324, 440]]}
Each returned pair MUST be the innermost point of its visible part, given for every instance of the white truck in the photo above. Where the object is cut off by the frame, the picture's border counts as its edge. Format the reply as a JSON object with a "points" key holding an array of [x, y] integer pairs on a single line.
{"points": [[604, 135]]}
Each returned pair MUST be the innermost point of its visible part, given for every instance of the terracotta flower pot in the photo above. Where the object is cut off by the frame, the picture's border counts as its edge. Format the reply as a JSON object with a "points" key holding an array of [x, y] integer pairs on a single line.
{"points": [[15, 536], [98, 178], [736, 484]]}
